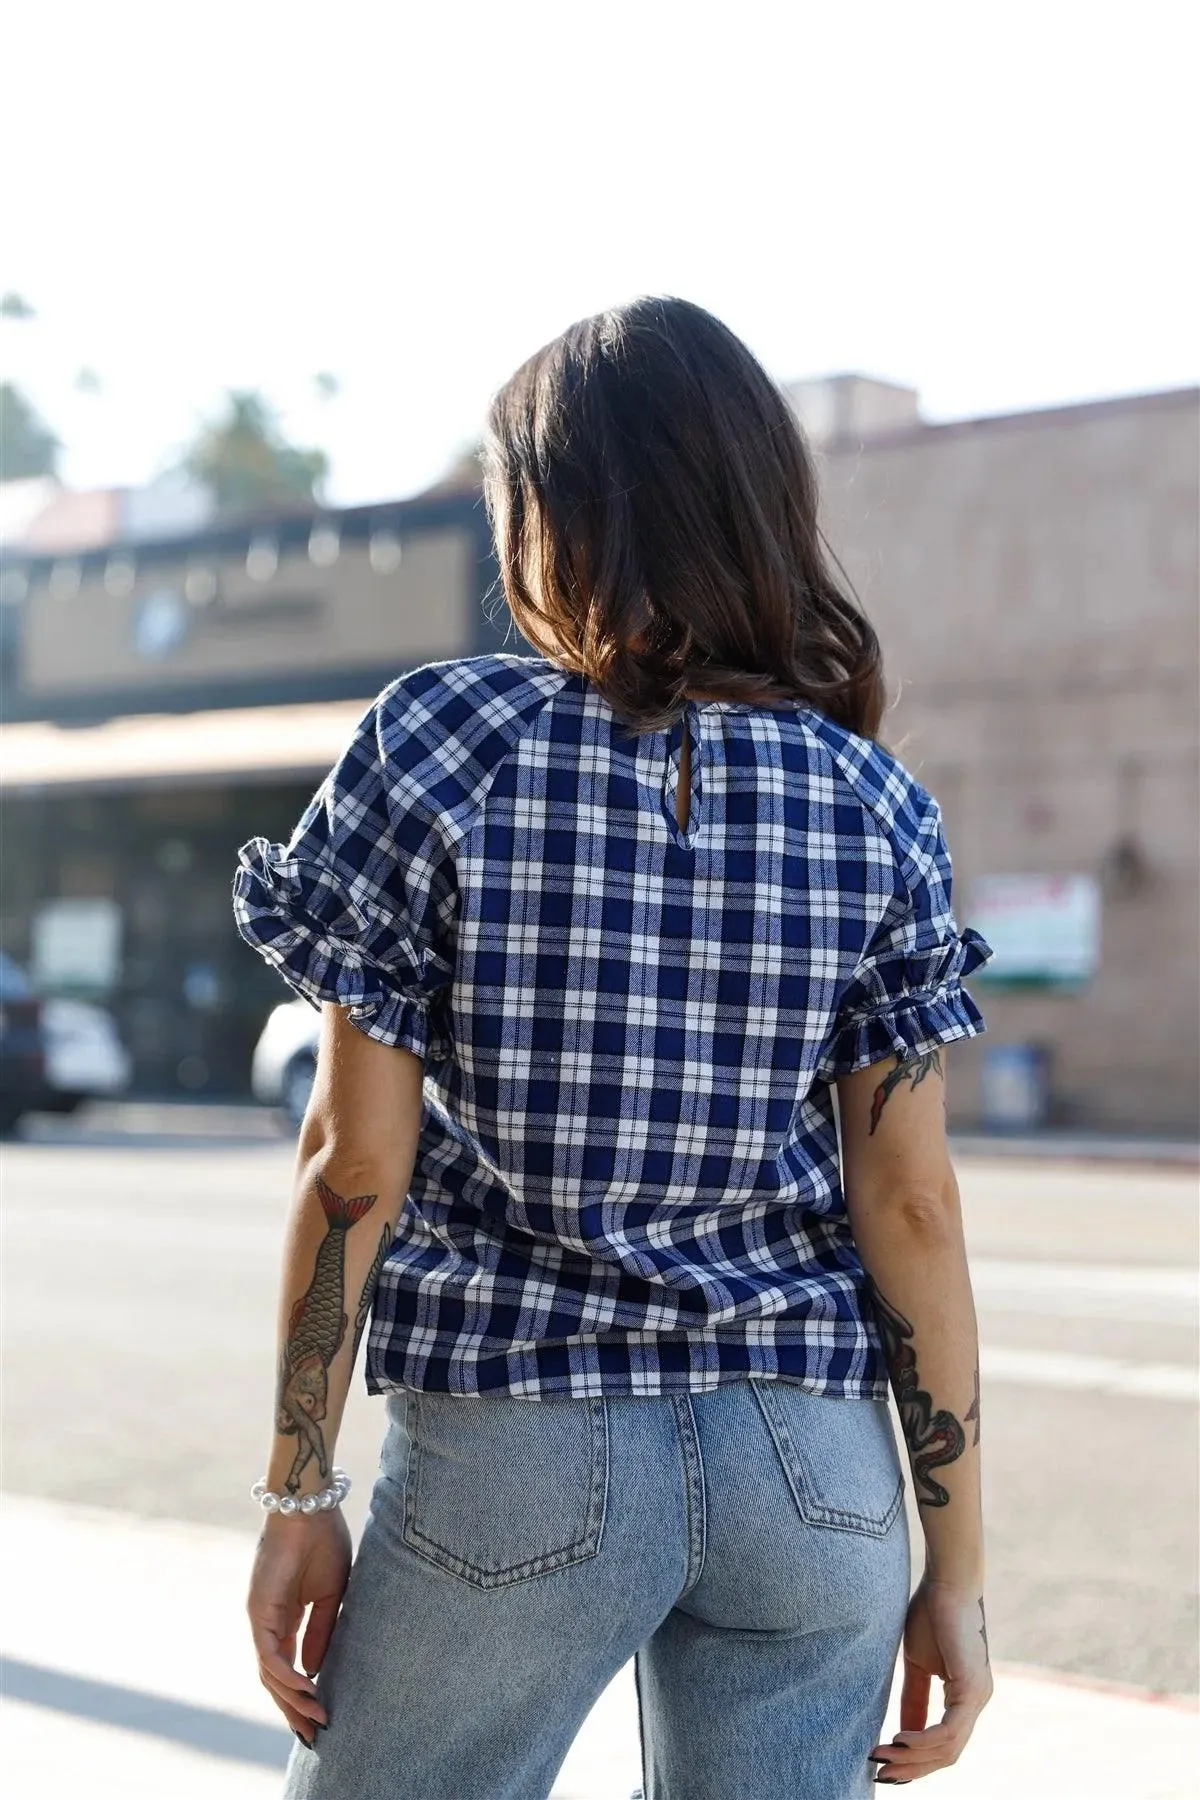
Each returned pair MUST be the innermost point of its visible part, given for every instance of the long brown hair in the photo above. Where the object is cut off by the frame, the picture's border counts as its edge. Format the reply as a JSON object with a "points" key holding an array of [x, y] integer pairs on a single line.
{"points": [[655, 509]]}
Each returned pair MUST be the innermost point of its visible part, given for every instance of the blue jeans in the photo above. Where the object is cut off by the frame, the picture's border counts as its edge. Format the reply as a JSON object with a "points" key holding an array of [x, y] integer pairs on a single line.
{"points": [[748, 1544]]}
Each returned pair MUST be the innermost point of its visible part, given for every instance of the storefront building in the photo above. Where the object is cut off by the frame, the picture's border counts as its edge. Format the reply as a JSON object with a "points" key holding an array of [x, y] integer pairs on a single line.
{"points": [[1034, 581], [165, 704]]}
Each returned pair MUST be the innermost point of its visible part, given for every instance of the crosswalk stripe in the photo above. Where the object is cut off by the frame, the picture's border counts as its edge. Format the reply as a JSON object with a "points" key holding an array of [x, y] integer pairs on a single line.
{"points": [[1094, 1374], [1104, 1280]]}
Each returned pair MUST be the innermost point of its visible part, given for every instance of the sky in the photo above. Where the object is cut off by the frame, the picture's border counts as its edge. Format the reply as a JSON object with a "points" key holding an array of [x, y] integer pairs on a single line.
{"points": [[987, 202]]}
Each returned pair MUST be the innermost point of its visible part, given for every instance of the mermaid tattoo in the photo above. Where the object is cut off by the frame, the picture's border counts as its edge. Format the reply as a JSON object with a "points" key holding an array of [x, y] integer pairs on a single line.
{"points": [[316, 1331], [364, 1304]]}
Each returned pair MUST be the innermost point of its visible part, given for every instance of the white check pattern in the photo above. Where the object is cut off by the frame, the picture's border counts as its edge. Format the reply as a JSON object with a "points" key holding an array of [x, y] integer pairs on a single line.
{"points": [[627, 1179]]}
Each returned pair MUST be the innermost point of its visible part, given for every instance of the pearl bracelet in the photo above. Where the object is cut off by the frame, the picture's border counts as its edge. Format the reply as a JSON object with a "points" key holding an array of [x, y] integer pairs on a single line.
{"points": [[287, 1504]]}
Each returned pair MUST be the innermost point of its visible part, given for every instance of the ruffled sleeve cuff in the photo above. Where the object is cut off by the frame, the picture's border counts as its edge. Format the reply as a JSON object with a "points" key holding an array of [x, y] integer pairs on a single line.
{"points": [[908, 1008], [328, 947]]}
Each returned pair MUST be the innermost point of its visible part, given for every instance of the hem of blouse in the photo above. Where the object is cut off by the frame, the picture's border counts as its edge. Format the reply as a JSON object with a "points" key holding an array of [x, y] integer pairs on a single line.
{"points": [[910, 1026], [591, 1383]]}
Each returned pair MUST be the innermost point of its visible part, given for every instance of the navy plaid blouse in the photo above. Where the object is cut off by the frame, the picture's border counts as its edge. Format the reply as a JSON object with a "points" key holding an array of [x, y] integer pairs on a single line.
{"points": [[627, 1180]]}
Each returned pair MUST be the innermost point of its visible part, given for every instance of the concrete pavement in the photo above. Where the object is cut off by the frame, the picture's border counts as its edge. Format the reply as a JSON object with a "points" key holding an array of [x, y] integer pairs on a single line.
{"points": [[165, 1121], [128, 1673], [140, 1276], [139, 1304]]}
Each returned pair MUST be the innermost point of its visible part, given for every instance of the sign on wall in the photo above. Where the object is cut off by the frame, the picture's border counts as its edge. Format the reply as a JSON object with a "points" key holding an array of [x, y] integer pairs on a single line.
{"points": [[1045, 929], [77, 946], [260, 612]]}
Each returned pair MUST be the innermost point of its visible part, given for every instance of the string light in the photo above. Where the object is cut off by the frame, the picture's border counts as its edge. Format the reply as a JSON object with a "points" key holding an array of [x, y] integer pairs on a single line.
{"points": [[385, 552], [120, 573], [66, 579], [262, 558], [200, 585], [324, 545]]}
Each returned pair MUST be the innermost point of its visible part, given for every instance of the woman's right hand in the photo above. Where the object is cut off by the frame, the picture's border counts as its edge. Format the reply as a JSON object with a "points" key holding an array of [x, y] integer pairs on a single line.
{"points": [[945, 1635], [301, 1561]]}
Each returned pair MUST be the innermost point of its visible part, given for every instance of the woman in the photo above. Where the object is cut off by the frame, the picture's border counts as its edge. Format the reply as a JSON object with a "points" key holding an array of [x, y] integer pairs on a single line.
{"points": [[598, 936]]}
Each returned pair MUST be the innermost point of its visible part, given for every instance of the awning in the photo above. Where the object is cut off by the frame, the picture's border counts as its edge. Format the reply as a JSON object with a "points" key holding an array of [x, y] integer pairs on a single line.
{"points": [[174, 749]]}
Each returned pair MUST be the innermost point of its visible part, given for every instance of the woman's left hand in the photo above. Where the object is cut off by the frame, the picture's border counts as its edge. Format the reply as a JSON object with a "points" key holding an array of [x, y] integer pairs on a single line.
{"points": [[301, 1561]]}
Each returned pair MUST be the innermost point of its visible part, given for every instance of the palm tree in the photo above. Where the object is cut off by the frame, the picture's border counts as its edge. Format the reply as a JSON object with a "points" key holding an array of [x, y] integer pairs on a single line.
{"points": [[27, 447], [247, 465]]}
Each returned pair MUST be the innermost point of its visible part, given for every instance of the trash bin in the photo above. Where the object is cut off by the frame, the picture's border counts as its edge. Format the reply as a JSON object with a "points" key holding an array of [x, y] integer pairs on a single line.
{"points": [[1015, 1087]]}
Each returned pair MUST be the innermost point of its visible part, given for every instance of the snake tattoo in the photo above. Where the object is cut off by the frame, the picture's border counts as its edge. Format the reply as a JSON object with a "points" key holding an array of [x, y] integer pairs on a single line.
{"points": [[933, 1438], [913, 1072]]}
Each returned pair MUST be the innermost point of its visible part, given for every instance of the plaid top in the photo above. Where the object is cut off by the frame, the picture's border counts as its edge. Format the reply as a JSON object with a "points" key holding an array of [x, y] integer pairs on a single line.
{"points": [[627, 1179]]}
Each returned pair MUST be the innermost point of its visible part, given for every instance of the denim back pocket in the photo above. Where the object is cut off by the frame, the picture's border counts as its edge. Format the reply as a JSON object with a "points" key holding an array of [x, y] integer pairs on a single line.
{"points": [[499, 1490], [839, 1456]]}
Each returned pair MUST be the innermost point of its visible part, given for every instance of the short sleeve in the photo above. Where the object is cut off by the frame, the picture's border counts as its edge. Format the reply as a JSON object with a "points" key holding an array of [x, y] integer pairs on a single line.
{"points": [[906, 996], [355, 908]]}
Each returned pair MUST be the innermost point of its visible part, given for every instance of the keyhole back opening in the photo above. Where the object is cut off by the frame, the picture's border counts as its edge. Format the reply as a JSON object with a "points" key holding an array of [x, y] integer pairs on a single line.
{"points": [[683, 793], [682, 777]]}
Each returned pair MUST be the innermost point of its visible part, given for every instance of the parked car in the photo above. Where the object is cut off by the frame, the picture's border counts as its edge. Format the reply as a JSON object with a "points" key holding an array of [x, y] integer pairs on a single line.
{"points": [[285, 1059], [85, 1058], [22, 1044]]}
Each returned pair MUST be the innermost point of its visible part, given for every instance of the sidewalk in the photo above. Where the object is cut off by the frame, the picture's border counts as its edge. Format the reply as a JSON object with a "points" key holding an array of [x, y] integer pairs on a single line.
{"points": [[1078, 1146], [244, 1121], [128, 1676], [159, 1122]]}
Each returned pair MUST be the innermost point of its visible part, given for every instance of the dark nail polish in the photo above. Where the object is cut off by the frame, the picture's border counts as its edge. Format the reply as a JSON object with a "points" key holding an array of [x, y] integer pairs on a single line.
{"points": [[300, 1738]]}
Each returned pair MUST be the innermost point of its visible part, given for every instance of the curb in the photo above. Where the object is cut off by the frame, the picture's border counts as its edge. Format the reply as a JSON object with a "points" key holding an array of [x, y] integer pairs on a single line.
{"points": [[1133, 1152]]}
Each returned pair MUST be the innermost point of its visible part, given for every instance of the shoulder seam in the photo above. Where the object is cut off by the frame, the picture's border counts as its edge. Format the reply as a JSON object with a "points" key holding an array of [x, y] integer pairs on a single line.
{"points": [[908, 864], [547, 682], [443, 665], [463, 829]]}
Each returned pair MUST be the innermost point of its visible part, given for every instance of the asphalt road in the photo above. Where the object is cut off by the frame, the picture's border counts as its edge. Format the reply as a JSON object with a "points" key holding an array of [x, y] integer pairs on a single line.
{"points": [[138, 1317]]}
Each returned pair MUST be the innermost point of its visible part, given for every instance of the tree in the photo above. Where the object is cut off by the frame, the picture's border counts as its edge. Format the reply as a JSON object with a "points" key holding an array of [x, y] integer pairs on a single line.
{"points": [[27, 447], [464, 474], [14, 306], [247, 465]]}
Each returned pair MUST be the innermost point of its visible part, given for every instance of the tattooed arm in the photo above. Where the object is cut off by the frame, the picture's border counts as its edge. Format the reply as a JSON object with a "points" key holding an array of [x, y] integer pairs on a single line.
{"points": [[353, 1166], [902, 1199], [903, 1203]]}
